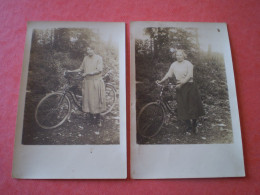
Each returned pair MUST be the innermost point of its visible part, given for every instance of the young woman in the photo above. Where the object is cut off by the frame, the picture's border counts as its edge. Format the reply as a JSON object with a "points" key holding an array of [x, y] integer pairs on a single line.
{"points": [[189, 105], [93, 87]]}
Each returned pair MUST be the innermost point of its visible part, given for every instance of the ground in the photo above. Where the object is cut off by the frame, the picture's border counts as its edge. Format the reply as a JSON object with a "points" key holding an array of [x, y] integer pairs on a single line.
{"points": [[76, 131], [214, 128], [211, 131]]}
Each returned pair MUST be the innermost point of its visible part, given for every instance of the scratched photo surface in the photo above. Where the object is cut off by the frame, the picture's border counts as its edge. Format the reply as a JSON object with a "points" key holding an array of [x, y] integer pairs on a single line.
{"points": [[184, 112], [53, 112], [157, 105]]}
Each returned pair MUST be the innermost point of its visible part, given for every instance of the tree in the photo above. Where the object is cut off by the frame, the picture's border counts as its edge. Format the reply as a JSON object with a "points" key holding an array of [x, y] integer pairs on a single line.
{"points": [[163, 42]]}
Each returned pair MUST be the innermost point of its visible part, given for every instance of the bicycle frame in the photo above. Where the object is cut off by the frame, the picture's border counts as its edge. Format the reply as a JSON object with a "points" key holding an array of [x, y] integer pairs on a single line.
{"points": [[67, 96], [164, 103], [70, 94], [74, 98], [160, 108]]}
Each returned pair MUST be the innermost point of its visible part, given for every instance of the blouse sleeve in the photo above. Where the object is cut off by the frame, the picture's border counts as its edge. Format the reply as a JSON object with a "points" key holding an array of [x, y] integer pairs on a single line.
{"points": [[100, 64], [170, 71], [190, 70], [82, 64]]}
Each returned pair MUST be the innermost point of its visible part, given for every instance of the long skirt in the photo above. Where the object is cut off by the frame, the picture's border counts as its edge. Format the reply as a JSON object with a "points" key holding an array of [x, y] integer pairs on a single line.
{"points": [[93, 92], [189, 104]]}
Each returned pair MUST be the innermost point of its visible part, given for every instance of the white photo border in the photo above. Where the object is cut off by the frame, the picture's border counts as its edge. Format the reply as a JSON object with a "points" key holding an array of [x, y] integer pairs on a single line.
{"points": [[71, 161], [192, 160]]}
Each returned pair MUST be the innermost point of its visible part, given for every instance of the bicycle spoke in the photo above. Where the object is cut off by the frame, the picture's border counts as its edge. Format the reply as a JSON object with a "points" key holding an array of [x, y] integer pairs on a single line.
{"points": [[146, 127], [52, 110], [51, 116], [150, 120], [46, 118]]}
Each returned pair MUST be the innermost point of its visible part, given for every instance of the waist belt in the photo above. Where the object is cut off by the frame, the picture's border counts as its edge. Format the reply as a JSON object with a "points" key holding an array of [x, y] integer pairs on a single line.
{"points": [[94, 77]]}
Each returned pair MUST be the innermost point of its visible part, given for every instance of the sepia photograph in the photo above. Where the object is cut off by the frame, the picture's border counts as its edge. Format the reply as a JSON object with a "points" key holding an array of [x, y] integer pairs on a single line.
{"points": [[73, 87], [184, 113], [181, 87], [71, 119]]}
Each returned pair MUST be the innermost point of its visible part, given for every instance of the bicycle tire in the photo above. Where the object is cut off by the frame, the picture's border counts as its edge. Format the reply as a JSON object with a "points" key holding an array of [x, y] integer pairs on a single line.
{"points": [[150, 120], [51, 110], [110, 98]]}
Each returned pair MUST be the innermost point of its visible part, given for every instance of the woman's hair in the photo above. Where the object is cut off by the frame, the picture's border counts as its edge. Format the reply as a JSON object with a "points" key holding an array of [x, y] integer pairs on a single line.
{"points": [[91, 47], [182, 51]]}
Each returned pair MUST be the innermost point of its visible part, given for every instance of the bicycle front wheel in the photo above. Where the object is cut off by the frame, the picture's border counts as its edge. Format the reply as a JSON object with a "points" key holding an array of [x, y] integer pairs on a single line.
{"points": [[150, 120], [110, 98], [52, 110]]}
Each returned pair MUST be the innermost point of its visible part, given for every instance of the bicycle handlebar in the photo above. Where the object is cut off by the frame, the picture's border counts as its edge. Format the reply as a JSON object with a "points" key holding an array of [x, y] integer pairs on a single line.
{"points": [[107, 73], [160, 85], [80, 75]]}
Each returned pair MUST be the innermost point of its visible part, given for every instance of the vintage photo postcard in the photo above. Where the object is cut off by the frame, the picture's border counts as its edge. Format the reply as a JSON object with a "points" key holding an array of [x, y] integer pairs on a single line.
{"points": [[184, 113], [71, 120]]}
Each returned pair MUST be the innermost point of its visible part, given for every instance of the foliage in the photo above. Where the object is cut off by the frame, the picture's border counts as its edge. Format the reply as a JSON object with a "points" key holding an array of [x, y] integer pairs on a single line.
{"points": [[163, 43], [153, 57], [55, 50], [52, 52]]}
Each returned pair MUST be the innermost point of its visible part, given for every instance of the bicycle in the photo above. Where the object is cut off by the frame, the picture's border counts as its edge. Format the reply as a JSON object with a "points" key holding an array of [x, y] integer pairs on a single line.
{"points": [[55, 108], [152, 116]]}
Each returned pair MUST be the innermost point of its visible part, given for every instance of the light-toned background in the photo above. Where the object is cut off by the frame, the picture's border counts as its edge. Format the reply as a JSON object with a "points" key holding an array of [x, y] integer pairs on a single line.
{"points": [[188, 160], [242, 17], [64, 161]]}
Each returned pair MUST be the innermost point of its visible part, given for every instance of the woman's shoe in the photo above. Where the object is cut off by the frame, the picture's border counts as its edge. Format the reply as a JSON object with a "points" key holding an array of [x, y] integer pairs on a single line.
{"points": [[99, 123], [195, 130], [98, 120], [188, 131], [194, 126]]}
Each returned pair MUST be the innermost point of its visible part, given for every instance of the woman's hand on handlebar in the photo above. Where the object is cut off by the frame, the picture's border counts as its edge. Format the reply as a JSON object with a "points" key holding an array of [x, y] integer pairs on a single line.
{"points": [[66, 72], [83, 75], [158, 82]]}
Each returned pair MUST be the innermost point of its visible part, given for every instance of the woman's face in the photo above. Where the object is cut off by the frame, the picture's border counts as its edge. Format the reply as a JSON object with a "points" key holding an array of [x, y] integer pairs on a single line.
{"points": [[179, 56], [90, 51]]}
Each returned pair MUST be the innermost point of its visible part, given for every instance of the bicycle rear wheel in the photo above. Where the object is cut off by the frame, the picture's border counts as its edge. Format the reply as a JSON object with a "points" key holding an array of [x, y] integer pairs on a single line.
{"points": [[52, 110], [150, 120], [110, 98]]}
